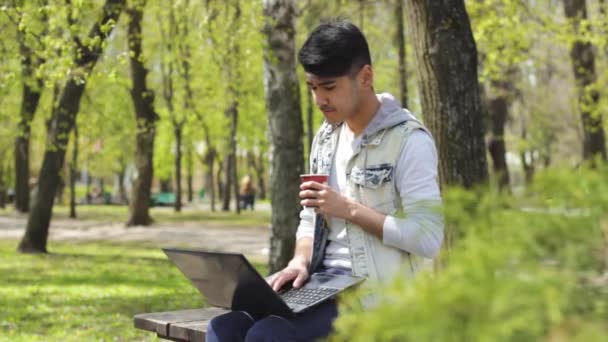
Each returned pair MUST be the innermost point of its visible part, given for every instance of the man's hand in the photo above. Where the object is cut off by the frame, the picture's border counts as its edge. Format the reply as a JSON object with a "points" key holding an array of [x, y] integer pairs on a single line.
{"points": [[328, 202], [296, 270], [325, 200]]}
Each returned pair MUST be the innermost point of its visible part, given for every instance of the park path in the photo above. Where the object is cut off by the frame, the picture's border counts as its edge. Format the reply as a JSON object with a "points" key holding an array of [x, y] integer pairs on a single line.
{"points": [[251, 241]]}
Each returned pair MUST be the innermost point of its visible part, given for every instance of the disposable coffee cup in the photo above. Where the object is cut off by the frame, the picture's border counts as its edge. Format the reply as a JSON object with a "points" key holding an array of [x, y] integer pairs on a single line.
{"points": [[314, 177]]}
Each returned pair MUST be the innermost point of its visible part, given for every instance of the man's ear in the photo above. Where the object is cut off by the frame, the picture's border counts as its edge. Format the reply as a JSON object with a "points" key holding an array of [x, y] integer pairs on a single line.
{"points": [[367, 76]]}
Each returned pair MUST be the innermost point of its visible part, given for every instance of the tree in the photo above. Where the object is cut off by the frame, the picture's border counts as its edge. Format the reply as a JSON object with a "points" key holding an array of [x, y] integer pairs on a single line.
{"points": [[446, 59], [503, 34], [169, 66], [32, 88], [30, 50], [226, 42], [146, 117], [498, 104], [72, 170], [400, 41], [285, 125], [86, 53], [583, 66], [232, 110]]}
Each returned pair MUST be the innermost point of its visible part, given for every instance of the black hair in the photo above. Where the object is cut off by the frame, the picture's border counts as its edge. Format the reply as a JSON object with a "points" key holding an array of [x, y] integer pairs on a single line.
{"points": [[334, 49]]}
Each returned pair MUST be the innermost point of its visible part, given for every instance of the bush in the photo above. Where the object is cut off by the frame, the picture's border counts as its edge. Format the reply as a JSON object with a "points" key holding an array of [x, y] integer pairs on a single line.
{"points": [[525, 268]]}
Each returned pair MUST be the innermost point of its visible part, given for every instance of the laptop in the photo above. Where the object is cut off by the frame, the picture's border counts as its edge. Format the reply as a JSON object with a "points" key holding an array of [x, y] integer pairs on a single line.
{"points": [[229, 281]]}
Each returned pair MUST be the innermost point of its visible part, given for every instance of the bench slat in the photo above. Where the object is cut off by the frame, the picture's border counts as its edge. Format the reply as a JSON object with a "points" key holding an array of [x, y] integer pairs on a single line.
{"points": [[191, 331], [189, 325]]}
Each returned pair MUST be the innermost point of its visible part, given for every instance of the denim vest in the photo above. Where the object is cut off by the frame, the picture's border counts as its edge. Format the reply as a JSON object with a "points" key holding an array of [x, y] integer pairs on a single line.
{"points": [[370, 181]]}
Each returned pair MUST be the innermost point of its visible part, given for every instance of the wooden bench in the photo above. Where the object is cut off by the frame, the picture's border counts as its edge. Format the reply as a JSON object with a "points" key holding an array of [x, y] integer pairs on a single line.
{"points": [[183, 325]]}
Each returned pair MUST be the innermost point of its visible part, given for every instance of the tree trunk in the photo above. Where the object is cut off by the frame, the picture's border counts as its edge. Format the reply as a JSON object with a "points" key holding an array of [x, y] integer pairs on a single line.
{"points": [[232, 112], [146, 117], [209, 159], [226, 184], [310, 127], [446, 59], [167, 70], [583, 65], [400, 40], [62, 120], [285, 125], [177, 131], [122, 192], [32, 90], [87, 189], [61, 187], [73, 172], [189, 171], [498, 107], [184, 49], [261, 177], [190, 180], [221, 186], [232, 156], [257, 164], [2, 185]]}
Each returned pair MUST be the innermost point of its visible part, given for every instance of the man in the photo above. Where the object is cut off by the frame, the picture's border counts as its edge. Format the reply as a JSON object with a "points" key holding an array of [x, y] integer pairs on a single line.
{"points": [[377, 216]]}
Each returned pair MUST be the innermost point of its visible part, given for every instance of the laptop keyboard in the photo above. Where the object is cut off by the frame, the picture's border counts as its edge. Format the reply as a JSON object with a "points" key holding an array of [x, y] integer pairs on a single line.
{"points": [[307, 296]]}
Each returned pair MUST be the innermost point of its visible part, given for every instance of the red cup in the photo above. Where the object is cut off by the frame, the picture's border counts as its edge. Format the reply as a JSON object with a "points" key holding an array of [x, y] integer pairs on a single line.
{"points": [[314, 177]]}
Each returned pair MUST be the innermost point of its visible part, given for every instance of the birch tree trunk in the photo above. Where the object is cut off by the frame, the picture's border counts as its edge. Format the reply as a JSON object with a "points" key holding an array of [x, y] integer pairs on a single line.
{"points": [[285, 123]]}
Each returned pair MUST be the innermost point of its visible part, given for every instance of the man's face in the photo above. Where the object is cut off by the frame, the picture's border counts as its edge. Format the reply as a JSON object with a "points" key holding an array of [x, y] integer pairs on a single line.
{"points": [[336, 97]]}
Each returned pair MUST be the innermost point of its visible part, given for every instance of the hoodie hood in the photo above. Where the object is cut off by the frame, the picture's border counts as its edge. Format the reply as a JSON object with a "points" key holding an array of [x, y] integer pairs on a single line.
{"points": [[389, 114]]}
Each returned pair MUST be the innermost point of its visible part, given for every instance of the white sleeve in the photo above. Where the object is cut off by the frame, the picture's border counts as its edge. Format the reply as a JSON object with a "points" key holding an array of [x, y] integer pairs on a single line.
{"points": [[306, 228], [420, 232]]}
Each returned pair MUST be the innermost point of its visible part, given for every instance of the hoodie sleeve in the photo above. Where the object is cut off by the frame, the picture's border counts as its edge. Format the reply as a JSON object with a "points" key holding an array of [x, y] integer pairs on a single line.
{"points": [[420, 231]]}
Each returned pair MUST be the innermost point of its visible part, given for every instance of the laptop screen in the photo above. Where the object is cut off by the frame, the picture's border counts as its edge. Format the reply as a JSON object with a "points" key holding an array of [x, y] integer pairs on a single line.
{"points": [[215, 276]]}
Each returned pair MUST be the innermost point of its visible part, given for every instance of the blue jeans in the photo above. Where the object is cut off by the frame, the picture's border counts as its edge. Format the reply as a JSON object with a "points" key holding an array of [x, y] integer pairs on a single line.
{"points": [[237, 326]]}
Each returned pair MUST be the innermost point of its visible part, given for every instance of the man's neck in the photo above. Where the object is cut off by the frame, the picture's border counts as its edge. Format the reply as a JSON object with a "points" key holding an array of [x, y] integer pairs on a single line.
{"points": [[367, 110]]}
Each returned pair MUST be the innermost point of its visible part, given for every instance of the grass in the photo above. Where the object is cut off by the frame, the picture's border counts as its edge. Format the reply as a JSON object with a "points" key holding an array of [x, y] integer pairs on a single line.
{"points": [[116, 213], [87, 291]]}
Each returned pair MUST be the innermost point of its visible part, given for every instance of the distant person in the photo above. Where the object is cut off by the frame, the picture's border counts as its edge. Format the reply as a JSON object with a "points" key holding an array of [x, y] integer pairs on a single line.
{"points": [[247, 193], [377, 217]]}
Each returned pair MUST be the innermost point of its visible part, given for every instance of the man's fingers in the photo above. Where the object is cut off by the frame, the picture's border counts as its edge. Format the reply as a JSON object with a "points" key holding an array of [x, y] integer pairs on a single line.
{"points": [[283, 278], [312, 185], [308, 194], [272, 279], [300, 279]]}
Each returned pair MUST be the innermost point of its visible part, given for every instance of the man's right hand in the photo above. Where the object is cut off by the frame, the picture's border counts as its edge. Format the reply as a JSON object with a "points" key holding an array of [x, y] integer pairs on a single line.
{"points": [[296, 270]]}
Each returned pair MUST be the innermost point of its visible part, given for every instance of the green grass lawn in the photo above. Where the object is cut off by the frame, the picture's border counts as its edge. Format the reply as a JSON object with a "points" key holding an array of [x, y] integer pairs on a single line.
{"points": [[87, 291]]}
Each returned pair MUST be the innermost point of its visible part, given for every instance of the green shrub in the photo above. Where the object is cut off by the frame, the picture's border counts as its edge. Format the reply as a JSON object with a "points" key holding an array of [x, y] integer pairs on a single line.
{"points": [[526, 268]]}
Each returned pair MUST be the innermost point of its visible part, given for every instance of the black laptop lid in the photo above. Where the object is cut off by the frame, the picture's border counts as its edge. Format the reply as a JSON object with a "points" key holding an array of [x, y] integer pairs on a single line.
{"points": [[228, 280]]}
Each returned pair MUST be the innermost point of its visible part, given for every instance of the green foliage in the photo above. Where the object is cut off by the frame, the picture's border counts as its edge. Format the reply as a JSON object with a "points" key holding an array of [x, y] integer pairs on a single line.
{"points": [[523, 268]]}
